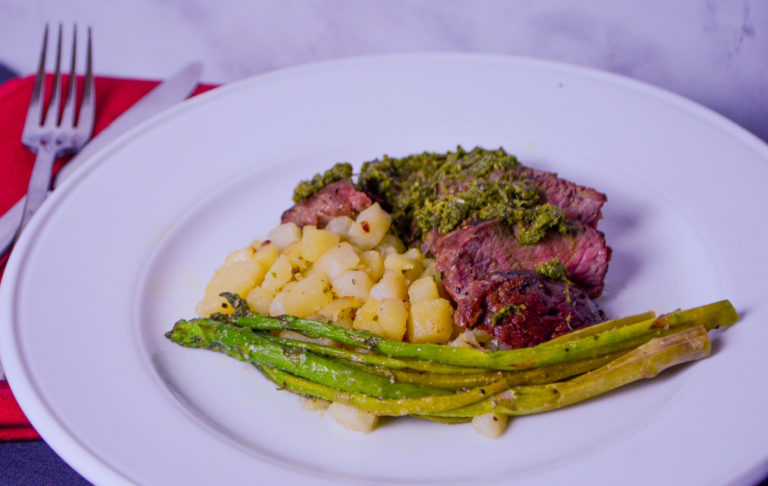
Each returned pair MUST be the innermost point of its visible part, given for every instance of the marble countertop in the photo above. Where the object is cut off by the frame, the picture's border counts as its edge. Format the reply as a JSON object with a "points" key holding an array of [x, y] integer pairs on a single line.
{"points": [[713, 52]]}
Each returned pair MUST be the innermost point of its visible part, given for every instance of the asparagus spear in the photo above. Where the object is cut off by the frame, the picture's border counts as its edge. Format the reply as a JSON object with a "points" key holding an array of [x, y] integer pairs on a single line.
{"points": [[368, 358], [246, 345], [534, 376], [622, 338], [427, 405], [646, 361]]}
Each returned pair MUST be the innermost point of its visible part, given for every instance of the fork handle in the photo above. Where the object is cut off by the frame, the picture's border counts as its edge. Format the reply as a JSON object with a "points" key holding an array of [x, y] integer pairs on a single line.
{"points": [[9, 227], [39, 182]]}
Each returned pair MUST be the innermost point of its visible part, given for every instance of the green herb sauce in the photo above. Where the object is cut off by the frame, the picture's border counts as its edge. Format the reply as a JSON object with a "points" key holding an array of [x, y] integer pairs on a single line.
{"points": [[507, 311], [553, 269], [339, 171], [436, 190]]}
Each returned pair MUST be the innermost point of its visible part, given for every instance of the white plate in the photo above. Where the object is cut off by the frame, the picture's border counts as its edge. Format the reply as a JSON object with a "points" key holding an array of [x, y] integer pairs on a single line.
{"points": [[121, 252]]}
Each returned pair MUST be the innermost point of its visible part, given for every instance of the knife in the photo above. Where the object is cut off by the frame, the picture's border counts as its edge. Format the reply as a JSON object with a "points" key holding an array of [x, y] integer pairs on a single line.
{"points": [[174, 89]]}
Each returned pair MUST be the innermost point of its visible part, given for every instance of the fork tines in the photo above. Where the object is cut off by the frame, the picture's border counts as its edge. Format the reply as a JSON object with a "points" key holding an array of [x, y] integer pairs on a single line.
{"points": [[66, 117]]}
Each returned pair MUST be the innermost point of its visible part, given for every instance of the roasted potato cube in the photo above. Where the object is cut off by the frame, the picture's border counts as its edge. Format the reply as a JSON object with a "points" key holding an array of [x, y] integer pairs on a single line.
{"points": [[266, 255], [408, 263], [240, 255], [353, 418], [430, 322], [308, 296], [279, 274], [284, 234], [337, 260], [490, 425], [372, 264], [369, 227], [392, 315], [237, 277], [340, 225], [315, 242], [352, 283], [391, 286], [390, 244], [387, 318], [341, 311], [422, 290], [259, 300]]}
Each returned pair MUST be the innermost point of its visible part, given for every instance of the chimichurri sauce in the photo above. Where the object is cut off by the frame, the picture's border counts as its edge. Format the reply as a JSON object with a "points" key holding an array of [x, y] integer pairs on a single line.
{"points": [[443, 190]]}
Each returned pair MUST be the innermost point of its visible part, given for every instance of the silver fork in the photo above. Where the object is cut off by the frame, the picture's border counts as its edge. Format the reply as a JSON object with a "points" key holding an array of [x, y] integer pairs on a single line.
{"points": [[49, 137]]}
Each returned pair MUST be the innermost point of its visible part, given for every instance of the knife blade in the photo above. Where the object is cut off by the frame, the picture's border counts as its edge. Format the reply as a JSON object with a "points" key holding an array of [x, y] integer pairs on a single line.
{"points": [[171, 91]]}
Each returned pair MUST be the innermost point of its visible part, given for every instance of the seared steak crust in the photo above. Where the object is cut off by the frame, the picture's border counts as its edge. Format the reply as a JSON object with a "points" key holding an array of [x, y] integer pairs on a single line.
{"points": [[337, 199], [522, 309]]}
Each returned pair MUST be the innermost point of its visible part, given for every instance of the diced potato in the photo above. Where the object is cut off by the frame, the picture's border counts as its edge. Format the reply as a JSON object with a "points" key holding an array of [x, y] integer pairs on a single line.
{"points": [[429, 268], [390, 244], [341, 311], [315, 242], [279, 274], [308, 296], [392, 315], [466, 339], [367, 312], [259, 300], [352, 417], [276, 307], [422, 290], [314, 404], [284, 234], [409, 263], [266, 255], [340, 225], [372, 263], [371, 326], [387, 318], [295, 253], [240, 255], [352, 283], [237, 277], [490, 425], [369, 227], [337, 260], [391, 286], [430, 322]]}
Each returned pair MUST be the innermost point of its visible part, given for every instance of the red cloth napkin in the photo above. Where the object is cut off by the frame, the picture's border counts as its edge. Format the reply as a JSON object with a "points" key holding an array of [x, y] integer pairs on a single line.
{"points": [[113, 96]]}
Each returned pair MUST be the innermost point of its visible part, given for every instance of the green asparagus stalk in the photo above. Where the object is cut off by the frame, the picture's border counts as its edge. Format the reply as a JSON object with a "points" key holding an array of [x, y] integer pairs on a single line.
{"points": [[602, 327], [534, 376], [622, 338], [646, 361], [427, 405], [246, 345], [373, 359]]}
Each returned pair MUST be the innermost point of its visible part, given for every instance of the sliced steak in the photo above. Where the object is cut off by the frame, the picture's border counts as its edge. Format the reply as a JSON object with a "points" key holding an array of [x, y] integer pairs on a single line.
{"points": [[473, 250], [337, 199], [580, 203], [522, 309]]}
